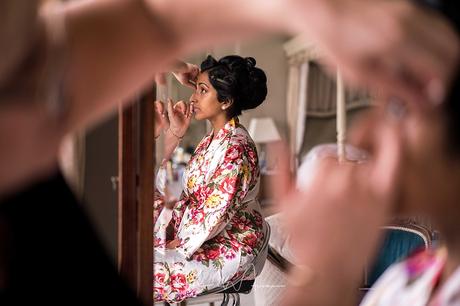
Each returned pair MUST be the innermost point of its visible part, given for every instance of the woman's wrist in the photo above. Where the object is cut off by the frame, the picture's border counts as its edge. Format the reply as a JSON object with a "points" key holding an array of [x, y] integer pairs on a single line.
{"points": [[171, 142], [175, 134]]}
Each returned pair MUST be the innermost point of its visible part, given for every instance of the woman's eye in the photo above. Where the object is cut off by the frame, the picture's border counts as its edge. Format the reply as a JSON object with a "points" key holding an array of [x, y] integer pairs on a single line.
{"points": [[202, 91]]}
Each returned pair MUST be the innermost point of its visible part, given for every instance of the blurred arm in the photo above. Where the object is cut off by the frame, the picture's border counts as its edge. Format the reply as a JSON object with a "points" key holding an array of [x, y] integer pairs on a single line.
{"points": [[117, 46]]}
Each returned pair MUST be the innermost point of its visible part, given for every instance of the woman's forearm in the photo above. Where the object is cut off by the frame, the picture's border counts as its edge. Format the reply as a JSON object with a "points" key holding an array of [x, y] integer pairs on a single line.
{"points": [[170, 144], [200, 23], [116, 46]]}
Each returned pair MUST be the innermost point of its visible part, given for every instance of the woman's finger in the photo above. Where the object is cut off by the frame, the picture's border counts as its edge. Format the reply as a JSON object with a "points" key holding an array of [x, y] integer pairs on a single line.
{"points": [[426, 67], [170, 109], [181, 107], [191, 109], [192, 83], [179, 66], [388, 76], [385, 143], [186, 74], [388, 162], [159, 107], [187, 107]]}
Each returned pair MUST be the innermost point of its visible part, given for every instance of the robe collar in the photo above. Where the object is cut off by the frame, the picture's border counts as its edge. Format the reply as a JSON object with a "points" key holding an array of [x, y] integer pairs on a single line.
{"points": [[222, 133]]}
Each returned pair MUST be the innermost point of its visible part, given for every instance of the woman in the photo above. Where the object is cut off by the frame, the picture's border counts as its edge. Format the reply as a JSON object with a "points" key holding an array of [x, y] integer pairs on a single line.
{"points": [[52, 83], [217, 226]]}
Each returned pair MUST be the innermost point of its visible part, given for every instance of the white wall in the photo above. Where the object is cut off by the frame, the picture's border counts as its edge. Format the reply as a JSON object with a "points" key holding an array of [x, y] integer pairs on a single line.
{"points": [[270, 57], [101, 142], [100, 199]]}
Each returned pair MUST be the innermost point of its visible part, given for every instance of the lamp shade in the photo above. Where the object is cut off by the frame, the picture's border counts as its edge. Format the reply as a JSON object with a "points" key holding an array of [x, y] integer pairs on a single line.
{"points": [[263, 130]]}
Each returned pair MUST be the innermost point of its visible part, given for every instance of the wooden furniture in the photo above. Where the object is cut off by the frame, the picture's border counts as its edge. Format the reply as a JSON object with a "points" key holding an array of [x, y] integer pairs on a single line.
{"points": [[401, 239], [237, 286], [135, 206]]}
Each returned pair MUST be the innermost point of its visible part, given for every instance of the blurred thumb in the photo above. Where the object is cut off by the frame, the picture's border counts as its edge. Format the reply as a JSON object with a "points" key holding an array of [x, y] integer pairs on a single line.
{"points": [[385, 176], [170, 108]]}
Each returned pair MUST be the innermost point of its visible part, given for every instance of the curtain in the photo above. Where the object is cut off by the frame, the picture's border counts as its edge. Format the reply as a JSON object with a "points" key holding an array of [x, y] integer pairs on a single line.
{"points": [[293, 105], [311, 93], [297, 98], [322, 94], [302, 105]]}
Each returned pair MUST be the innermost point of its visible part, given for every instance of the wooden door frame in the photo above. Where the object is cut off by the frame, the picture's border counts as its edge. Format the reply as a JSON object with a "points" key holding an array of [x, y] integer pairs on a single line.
{"points": [[136, 161]]}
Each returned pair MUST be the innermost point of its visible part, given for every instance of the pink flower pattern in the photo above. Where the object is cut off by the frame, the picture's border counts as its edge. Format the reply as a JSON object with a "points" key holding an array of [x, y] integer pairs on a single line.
{"points": [[415, 282], [217, 220]]}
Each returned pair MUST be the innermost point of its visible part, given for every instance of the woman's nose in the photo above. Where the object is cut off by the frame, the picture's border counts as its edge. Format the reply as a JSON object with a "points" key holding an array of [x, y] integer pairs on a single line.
{"points": [[192, 99]]}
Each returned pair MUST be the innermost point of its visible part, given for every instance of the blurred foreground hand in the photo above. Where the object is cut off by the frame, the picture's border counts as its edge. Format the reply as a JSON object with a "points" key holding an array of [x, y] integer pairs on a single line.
{"points": [[334, 221], [396, 47]]}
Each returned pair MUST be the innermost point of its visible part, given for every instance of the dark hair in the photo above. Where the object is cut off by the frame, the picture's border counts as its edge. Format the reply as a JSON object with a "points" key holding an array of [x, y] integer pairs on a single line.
{"points": [[236, 79]]}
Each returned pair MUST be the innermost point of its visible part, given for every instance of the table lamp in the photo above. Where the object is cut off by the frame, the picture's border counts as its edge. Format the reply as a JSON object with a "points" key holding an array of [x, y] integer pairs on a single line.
{"points": [[263, 131]]}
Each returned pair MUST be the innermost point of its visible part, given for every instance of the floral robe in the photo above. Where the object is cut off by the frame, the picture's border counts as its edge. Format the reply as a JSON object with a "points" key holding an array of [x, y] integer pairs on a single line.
{"points": [[412, 282], [217, 220]]}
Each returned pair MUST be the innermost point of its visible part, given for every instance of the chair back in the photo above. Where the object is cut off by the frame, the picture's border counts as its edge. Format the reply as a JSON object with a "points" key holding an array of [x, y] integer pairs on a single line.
{"points": [[254, 269], [400, 241]]}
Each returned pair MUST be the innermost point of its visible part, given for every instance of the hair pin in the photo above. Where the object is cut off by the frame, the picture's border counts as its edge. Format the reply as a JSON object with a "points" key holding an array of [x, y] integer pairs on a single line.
{"points": [[221, 80]]}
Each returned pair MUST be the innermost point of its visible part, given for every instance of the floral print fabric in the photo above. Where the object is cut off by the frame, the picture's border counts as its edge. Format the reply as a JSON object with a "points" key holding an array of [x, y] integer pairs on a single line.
{"points": [[217, 221], [415, 282]]}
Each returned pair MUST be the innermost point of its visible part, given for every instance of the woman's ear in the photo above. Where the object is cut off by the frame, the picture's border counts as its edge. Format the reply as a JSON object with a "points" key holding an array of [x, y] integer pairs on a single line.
{"points": [[226, 105]]}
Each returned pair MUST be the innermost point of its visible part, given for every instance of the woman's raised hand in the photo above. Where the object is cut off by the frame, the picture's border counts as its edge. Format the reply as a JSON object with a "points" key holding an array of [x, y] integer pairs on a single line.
{"points": [[180, 116], [161, 118], [186, 74]]}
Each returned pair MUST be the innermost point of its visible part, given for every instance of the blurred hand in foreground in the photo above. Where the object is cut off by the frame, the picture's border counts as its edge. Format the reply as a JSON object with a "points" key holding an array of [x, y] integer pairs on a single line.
{"points": [[334, 222], [396, 47]]}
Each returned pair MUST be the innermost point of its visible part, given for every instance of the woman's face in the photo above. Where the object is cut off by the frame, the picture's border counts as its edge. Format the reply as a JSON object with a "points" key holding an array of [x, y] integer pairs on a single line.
{"points": [[429, 174], [205, 99]]}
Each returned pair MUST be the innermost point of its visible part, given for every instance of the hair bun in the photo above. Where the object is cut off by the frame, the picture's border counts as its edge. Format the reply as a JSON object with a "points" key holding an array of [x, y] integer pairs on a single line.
{"points": [[208, 63], [251, 62], [237, 78], [257, 91]]}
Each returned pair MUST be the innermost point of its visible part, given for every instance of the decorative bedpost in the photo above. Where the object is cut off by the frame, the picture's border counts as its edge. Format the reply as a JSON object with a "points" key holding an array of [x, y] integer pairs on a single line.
{"points": [[341, 119]]}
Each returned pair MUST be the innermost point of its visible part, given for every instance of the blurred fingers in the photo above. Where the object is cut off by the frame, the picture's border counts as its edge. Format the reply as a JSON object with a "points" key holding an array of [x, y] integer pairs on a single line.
{"points": [[191, 109], [389, 152], [281, 184], [159, 107], [160, 78], [181, 107]]}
